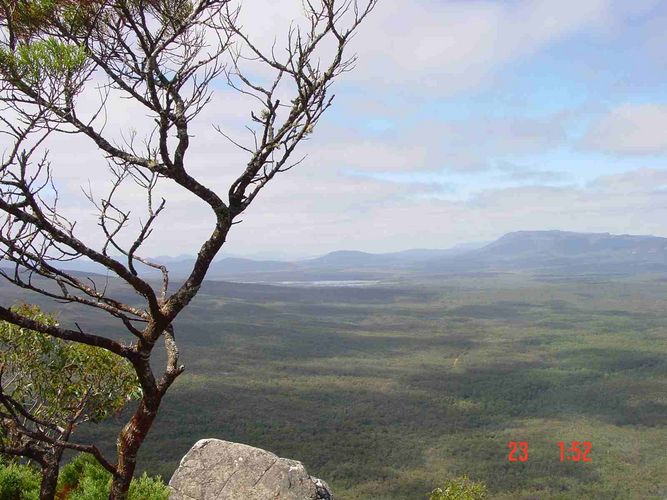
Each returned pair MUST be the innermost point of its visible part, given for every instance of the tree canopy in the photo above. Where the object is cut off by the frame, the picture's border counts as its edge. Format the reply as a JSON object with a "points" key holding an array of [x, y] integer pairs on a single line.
{"points": [[49, 386]]}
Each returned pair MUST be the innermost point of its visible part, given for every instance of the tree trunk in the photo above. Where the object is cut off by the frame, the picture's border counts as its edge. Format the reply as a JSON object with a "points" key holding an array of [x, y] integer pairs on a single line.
{"points": [[50, 469], [129, 442]]}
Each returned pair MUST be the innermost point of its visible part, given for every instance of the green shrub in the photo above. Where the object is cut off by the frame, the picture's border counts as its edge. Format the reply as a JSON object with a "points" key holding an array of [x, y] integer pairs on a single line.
{"points": [[18, 482], [88, 480], [71, 473], [148, 488], [83, 477], [461, 488]]}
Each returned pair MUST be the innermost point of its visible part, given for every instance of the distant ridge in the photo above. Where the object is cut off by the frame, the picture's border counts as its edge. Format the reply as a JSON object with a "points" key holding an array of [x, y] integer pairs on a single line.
{"points": [[536, 251], [571, 243], [565, 251], [539, 251]]}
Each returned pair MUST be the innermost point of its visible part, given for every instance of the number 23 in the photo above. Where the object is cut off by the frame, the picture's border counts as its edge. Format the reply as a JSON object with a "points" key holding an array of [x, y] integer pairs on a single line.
{"points": [[521, 447]]}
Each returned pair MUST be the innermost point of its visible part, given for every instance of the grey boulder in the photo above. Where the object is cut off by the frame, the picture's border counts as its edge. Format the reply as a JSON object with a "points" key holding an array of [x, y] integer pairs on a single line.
{"points": [[221, 470]]}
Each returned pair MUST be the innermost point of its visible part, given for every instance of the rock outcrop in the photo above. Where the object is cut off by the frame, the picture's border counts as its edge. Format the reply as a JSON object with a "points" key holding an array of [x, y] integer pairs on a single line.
{"points": [[220, 470]]}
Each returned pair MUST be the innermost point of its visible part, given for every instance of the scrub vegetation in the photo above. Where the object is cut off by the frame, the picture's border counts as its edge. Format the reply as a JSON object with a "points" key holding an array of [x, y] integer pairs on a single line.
{"points": [[390, 391]]}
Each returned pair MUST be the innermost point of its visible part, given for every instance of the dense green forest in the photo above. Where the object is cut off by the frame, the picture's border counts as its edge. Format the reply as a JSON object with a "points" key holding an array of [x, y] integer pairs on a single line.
{"points": [[388, 391]]}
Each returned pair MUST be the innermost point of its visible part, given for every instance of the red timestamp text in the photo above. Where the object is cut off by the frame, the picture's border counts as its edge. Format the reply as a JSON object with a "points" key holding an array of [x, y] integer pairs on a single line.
{"points": [[577, 451], [518, 451]]}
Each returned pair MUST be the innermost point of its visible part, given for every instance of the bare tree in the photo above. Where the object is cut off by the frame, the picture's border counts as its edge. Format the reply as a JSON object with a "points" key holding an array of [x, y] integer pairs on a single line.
{"points": [[165, 55]]}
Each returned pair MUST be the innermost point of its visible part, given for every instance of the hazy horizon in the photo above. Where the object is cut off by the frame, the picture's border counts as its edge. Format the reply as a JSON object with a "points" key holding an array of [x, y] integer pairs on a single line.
{"points": [[287, 256]]}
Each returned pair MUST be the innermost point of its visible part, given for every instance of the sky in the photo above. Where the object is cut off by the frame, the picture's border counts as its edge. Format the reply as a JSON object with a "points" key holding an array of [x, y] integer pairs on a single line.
{"points": [[463, 120]]}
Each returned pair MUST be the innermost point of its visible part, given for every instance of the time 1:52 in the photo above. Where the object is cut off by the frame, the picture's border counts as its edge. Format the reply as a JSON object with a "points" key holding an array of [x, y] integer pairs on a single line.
{"points": [[577, 451]]}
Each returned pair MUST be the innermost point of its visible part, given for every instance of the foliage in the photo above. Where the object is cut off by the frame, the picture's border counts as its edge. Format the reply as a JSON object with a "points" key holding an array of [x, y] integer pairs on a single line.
{"points": [[18, 482], [49, 58], [73, 470], [27, 17], [172, 13], [85, 479], [60, 381], [35, 60], [461, 488], [82, 478], [35, 17], [146, 487]]}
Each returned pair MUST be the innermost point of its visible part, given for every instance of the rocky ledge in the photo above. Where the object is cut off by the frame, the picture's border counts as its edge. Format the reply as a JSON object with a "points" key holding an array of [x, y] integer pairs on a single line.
{"points": [[220, 470]]}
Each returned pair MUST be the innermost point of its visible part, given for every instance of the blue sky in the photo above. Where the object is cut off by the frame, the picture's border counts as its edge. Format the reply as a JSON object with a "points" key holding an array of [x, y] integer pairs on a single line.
{"points": [[463, 120], [581, 78]]}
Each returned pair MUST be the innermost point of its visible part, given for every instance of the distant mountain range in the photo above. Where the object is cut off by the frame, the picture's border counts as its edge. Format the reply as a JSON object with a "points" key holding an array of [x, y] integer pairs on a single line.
{"points": [[555, 252], [565, 253]]}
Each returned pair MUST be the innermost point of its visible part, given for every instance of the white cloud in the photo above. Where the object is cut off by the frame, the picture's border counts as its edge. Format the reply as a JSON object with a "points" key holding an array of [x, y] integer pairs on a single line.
{"points": [[322, 214], [469, 145], [470, 40], [639, 180], [509, 135], [630, 129]]}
